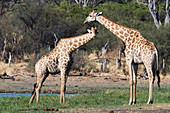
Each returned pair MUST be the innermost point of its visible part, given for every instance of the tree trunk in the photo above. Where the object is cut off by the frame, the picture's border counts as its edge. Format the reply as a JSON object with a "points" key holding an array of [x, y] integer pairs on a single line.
{"points": [[3, 53], [79, 3], [164, 67], [104, 51], [167, 18], [118, 60], [69, 2], [49, 48], [85, 3], [56, 40], [154, 13], [94, 2], [9, 60], [104, 64]]}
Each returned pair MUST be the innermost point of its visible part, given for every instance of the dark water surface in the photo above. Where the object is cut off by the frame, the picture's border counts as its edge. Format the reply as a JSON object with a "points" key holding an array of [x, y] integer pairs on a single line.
{"points": [[29, 94]]}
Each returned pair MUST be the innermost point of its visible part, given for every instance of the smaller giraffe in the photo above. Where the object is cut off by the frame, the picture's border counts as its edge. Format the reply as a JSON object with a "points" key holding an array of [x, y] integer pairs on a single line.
{"points": [[59, 60], [138, 50]]}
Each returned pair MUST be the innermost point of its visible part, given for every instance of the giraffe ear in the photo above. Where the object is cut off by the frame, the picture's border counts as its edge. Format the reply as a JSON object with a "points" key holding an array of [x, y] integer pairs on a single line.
{"points": [[99, 13], [95, 10], [89, 30], [95, 28]]}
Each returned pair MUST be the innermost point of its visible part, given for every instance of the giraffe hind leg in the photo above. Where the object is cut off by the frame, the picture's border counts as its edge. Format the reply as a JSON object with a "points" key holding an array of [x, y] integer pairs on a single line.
{"points": [[33, 94], [39, 85], [151, 75]]}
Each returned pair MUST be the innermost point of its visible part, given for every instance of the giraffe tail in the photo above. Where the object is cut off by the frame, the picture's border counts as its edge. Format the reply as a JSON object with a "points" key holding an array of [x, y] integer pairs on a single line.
{"points": [[157, 70]]}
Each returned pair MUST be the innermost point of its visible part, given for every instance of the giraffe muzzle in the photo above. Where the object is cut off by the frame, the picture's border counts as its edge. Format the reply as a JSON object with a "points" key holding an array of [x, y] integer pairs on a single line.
{"points": [[85, 21]]}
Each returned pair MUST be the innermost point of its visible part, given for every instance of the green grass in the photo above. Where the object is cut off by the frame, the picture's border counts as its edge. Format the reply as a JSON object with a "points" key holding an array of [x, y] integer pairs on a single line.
{"points": [[110, 98]]}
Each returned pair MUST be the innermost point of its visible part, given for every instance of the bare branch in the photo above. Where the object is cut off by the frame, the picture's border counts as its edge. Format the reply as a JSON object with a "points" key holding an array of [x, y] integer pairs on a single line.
{"points": [[154, 13], [142, 3], [3, 53], [9, 60], [76, 1], [79, 3], [56, 40], [106, 44], [100, 2], [167, 18]]}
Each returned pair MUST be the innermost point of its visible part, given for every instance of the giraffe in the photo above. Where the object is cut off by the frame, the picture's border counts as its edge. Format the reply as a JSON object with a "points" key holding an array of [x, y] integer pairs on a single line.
{"points": [[138, 50], [59, 60]]}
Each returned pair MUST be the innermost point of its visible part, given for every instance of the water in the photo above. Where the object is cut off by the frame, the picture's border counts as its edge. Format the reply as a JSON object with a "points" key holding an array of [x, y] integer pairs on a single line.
{"points": [[29, 94]]}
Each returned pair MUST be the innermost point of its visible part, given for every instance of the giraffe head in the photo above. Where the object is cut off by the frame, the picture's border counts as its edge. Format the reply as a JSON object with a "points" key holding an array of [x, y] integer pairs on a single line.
{"points": [[92, 32], [92, 16]]}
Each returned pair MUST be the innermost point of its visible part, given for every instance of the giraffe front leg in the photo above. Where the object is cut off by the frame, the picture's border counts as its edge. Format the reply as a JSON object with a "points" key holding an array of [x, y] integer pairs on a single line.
{"points": [[63, 86], [135, 68], [129, 62]]}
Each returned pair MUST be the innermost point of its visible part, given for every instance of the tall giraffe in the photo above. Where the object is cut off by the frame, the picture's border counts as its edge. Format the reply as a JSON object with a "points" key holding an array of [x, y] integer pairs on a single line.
{"points": [[138, 50], [59, 60]]}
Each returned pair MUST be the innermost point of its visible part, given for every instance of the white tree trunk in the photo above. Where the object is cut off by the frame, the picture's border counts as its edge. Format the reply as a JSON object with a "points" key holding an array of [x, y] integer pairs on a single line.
{"points": [[104, 51], [9, 60], [118, 60], [49, 48], [163, 65], [104, 64], [167, 18], [154, 13], [85, 4], [3, 53], [79, 3], [56, 40]]}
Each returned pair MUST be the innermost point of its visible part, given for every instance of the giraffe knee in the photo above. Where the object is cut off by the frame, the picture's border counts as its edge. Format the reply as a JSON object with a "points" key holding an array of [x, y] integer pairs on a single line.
{"points": [[131, 82], [135, 81], [151, 78]]}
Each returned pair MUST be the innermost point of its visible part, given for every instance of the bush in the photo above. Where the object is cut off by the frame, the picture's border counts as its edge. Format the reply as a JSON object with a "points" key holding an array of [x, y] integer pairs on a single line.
{"points": [[81, 62]]}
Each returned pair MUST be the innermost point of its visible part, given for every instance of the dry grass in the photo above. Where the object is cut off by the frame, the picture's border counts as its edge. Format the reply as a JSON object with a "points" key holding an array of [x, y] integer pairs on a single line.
{"points": [[14, 68]]}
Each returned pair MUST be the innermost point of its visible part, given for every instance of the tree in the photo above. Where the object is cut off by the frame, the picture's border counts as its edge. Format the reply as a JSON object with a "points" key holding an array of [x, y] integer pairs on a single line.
{"points": [[154, 13], [79, 2], [167, 18], [85, 3]]}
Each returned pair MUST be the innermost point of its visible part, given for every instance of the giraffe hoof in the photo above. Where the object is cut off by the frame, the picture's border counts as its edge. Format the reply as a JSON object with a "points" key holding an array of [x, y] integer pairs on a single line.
{"points": [[134, 103], [150, 102], [130, 103]]}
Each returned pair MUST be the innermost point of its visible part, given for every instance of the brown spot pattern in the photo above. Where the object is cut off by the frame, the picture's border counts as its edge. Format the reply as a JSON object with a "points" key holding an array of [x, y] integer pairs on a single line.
{"points": [[121, 32]]}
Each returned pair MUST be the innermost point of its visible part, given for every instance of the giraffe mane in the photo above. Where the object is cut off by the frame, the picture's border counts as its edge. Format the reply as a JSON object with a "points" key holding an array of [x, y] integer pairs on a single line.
{"points": [[75, 36], [118, 23]]}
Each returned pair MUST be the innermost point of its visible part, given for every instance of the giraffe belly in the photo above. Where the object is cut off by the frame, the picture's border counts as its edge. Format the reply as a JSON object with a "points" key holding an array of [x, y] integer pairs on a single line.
{"points": [[53, 69], [137, 59]]}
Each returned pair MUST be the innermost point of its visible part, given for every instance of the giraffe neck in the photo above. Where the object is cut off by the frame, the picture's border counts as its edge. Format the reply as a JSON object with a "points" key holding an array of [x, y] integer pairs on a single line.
{"points": [[70, 44], [120, 31], [79, 41]]}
